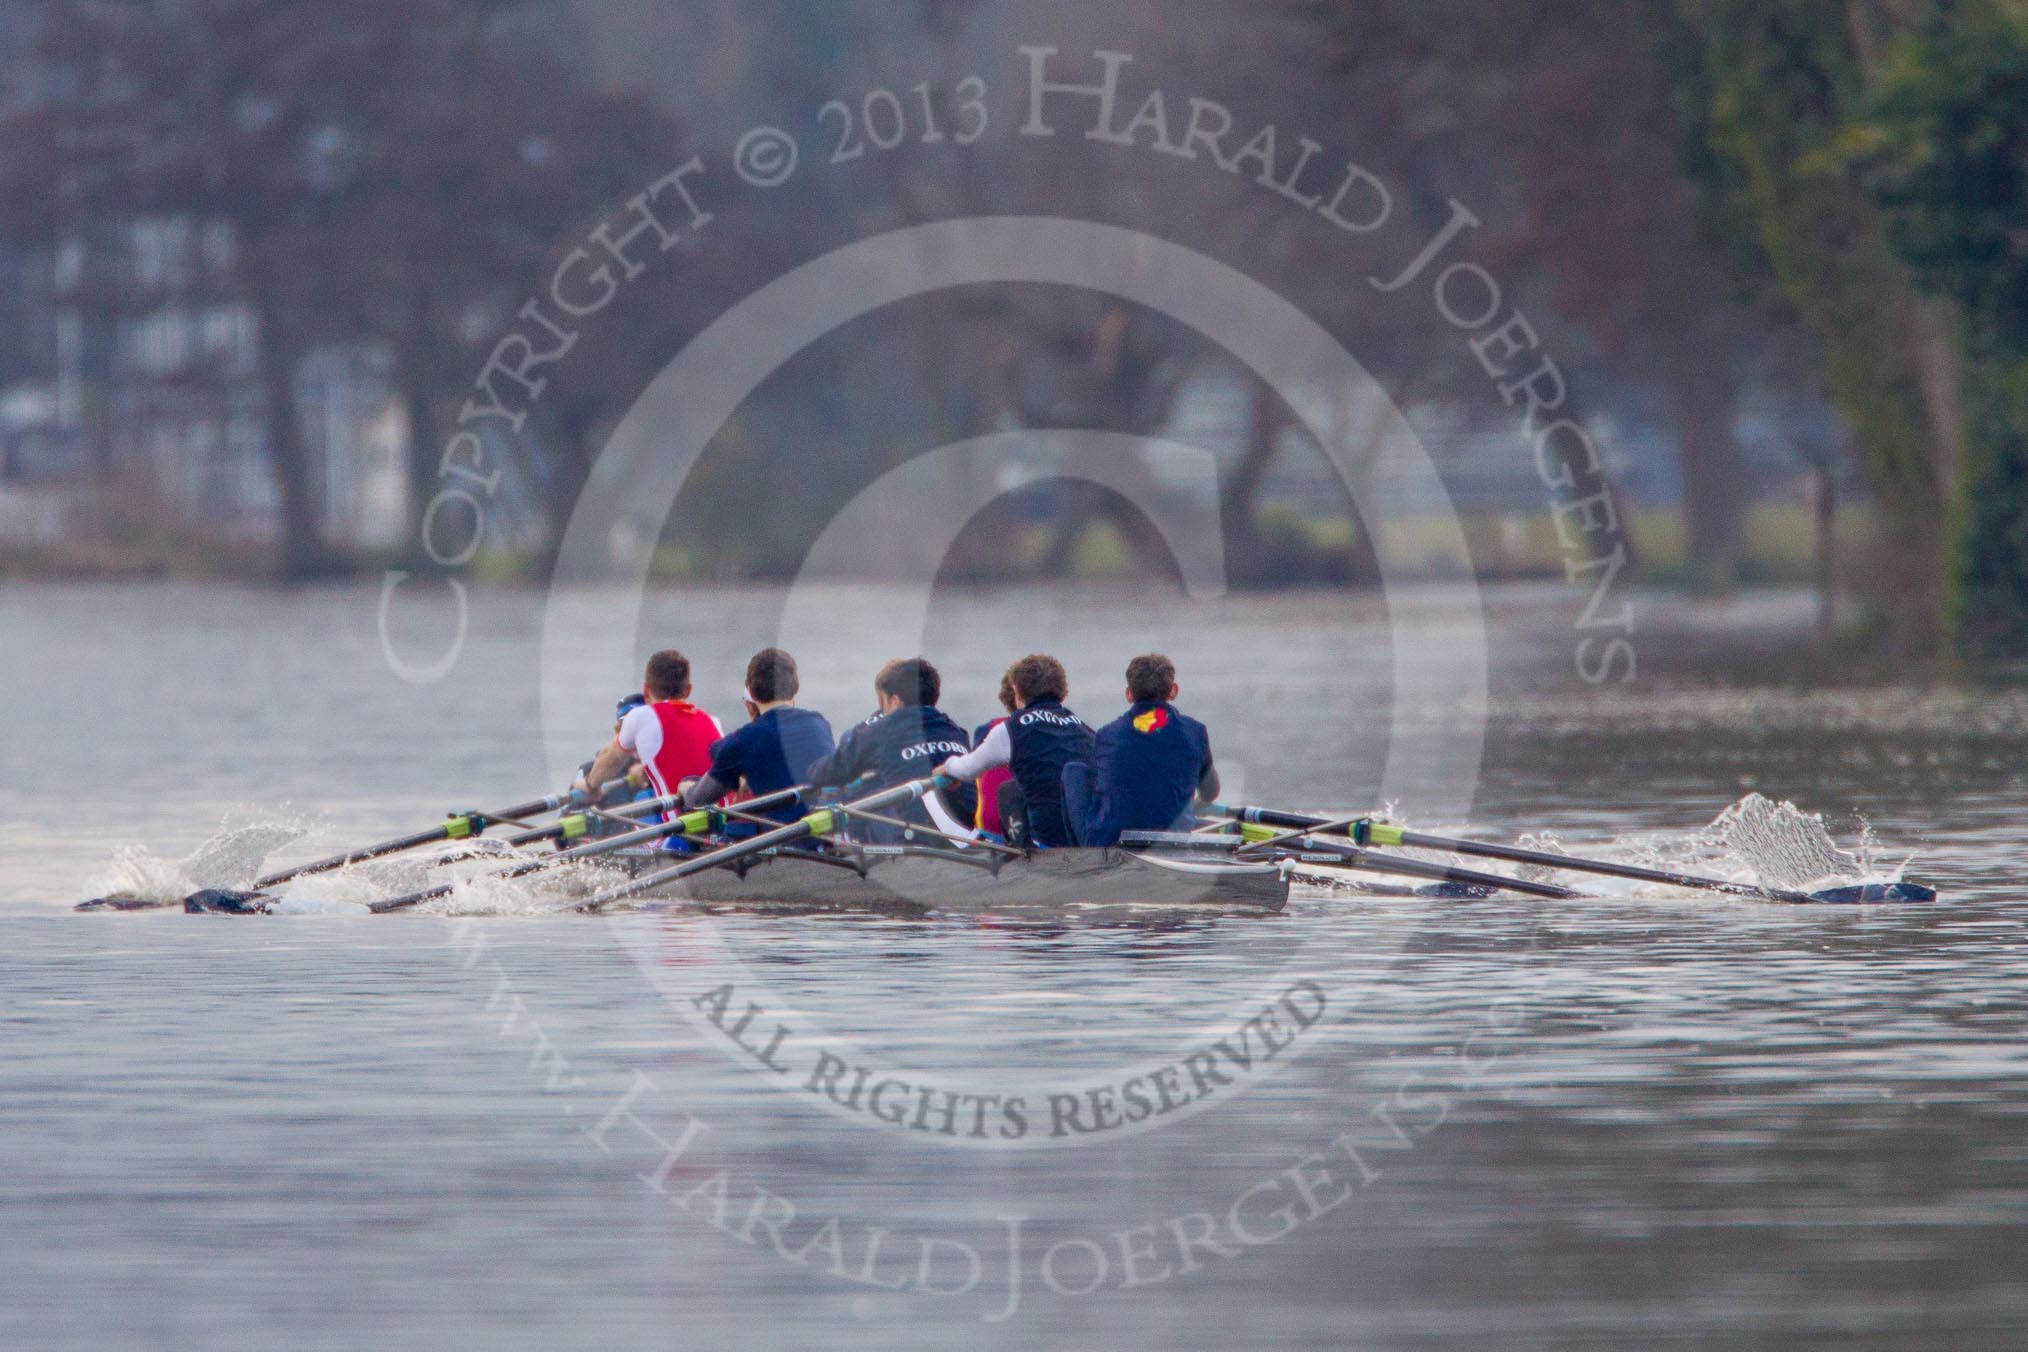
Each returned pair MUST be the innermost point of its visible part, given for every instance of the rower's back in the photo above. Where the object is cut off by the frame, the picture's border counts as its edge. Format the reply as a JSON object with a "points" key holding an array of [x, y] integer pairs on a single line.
{"points": [[776, 749], [1046, 739], [905, 739], [1150, 763], [670, 736]]}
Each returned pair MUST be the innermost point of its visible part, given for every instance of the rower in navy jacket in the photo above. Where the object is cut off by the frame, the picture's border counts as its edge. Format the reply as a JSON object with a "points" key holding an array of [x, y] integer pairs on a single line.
{"points": [[905, 739], [1037, 743], [772, 752], [1150, 764]]}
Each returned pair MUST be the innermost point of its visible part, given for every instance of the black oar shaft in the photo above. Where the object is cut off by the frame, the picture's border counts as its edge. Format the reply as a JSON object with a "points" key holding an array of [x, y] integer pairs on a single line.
{"points": [[690, 823], [459, 826], [1606, 867], [1380, 833], [578, 823], [882, 819], [1401, 866], [819, 823]]}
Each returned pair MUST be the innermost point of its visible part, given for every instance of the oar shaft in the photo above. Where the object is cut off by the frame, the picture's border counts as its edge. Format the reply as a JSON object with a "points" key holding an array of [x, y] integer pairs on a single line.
{"points": [[1401, 866], [1380, 833], [576, 824], [882, 819], [690, 823], [459, 826], [819, 823], [1604, 867]]}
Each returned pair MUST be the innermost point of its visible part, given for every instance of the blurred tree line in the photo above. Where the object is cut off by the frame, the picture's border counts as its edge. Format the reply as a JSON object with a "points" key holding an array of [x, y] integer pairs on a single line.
{"points": [[1862, 167], [405, 173], [392, 172], [1865, 164]]}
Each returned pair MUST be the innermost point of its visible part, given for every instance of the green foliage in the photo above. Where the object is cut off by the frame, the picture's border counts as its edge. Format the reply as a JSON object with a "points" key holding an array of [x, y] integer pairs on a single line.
{"points": [[1946, 143], [1989, 560], [1840, 181], [1950, 123]]}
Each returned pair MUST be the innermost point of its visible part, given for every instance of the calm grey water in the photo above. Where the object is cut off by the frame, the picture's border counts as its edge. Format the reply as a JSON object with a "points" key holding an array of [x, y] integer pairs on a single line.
{"points": [[1629, 1120]]}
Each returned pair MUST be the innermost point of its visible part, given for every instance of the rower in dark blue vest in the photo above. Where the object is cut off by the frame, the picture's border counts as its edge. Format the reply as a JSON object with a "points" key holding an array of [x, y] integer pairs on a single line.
{"points": [[1037, 743], [775, 750], [1150, 764], [907, 738]]}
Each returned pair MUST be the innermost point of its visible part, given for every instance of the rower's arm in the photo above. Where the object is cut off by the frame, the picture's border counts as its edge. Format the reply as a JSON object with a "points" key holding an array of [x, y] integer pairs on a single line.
{"points": [[728, 767], [705, 790], [609, 765], [997, 750], [845, 763], [1207, 782]]}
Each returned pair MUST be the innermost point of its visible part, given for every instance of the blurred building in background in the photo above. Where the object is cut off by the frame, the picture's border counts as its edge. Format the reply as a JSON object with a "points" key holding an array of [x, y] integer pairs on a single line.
{"points": [[144, 379]]}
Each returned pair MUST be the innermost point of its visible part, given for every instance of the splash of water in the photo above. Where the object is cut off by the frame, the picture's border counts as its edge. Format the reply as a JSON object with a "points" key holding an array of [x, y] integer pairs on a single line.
{"points": [[476, 876], [231, 859], [141, 875], [1783, 845], [544, 893], [1755, 840]]}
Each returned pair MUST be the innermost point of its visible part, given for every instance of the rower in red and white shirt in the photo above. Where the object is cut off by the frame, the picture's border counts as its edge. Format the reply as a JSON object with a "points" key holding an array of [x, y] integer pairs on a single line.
{"points": [[670, 736]]}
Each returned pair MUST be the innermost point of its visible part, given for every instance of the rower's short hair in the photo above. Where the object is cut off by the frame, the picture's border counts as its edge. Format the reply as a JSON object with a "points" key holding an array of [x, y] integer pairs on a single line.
{"points": [[668, 675], [771, 676], [912, 680], [1008, 699], [1150, 677], [1039, 676]]}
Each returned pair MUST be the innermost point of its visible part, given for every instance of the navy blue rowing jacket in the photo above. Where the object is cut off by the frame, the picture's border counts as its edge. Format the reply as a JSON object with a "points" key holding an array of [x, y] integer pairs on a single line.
{"points": [[1046, 737], [890, 749], [1147, 767], [772, 753]]}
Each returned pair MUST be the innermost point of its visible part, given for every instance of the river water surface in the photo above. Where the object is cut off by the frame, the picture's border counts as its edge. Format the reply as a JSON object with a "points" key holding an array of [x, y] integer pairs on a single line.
{"points": [[1631, 1119]]}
